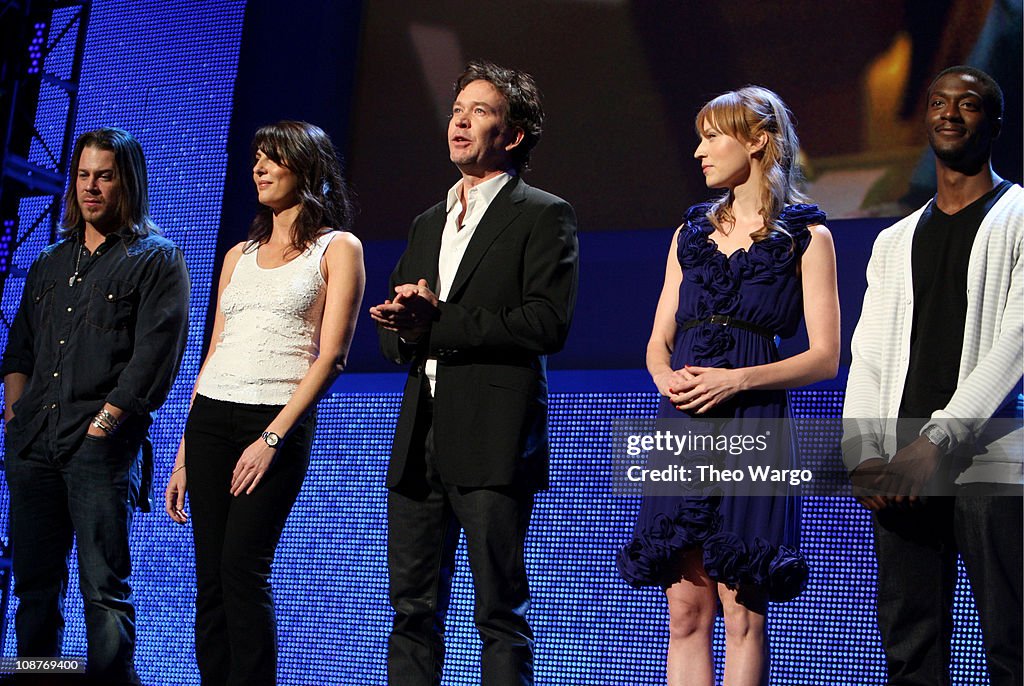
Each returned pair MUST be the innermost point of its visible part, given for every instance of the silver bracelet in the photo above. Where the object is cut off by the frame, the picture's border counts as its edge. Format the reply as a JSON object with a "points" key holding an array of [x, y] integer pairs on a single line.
{"points": [[101, 426], [105, 415]]}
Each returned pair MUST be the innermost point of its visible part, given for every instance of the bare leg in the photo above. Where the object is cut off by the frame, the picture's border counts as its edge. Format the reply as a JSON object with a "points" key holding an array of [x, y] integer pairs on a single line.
{"points": [[746, 637], [691, 610]]}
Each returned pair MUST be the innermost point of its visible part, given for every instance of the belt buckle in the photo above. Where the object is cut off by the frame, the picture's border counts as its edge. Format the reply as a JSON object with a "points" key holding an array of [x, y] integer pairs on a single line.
{"points": [[720, 319]]}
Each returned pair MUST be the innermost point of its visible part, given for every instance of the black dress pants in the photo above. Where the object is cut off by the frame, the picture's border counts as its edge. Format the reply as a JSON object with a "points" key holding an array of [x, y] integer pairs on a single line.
{"points": [[235, 537], [917, 552], [425, 516]]}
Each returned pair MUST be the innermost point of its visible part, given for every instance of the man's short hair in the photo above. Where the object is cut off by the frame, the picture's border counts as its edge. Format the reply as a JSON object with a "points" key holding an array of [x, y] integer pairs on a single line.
{"points": [[991, 93], [130, 169], [522, 98]]}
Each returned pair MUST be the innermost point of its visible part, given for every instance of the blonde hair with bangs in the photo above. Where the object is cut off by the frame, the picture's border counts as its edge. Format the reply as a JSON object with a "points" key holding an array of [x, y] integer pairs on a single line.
{"points": [[745, 114]]}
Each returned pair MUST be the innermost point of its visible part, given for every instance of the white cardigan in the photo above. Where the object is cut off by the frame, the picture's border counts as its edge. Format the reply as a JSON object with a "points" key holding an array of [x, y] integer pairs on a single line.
{"points": [[991, 364]]}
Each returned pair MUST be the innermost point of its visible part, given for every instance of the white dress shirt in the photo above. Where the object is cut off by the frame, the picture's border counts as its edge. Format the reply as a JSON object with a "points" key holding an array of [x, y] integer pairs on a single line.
{"points": [[455, 239]]}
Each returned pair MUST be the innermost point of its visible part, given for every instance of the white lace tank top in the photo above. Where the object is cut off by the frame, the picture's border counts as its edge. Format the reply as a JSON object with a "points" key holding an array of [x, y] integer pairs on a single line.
{"points": [[271, 329]]}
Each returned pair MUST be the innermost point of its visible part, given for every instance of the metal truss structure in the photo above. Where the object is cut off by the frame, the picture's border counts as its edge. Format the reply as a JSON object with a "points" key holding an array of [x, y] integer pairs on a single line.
{"points": [[34, 161], [41, 50]]}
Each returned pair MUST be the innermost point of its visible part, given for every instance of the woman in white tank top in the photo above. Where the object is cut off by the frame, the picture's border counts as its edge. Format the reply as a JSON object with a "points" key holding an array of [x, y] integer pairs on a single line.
{"points": [[286, 311]]}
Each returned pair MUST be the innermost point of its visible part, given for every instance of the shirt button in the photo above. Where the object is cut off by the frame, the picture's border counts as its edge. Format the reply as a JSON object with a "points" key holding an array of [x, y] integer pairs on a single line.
{"points": [[78, 280], [53, 406], [110, 296], [61, 342], [69, 309], [56, 374]]}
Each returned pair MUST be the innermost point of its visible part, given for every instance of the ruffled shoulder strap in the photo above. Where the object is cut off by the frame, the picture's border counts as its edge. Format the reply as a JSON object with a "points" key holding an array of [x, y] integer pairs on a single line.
{"points": [[697, 215], [797, 218], [801, 216]]}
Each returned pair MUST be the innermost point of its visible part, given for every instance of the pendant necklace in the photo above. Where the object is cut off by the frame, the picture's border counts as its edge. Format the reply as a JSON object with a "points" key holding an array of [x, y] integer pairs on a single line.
{"points": [[78, 261]]}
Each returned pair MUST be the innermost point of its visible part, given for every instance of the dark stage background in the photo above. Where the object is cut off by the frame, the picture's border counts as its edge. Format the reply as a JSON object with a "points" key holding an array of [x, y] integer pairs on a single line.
{"points": [[193, 79]]}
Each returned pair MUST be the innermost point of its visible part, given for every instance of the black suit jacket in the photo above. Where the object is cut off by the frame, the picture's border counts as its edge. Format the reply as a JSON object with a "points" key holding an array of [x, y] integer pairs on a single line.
{"points": [[510, 305]]}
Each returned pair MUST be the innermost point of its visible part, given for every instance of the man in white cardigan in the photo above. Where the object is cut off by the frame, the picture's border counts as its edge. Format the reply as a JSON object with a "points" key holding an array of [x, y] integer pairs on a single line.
{"points": [[932, 398]]}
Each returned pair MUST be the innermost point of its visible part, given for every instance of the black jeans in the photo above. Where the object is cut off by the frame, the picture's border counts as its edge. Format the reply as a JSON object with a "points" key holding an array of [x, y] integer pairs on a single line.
{"points": [[425, 516], [90, 496], [235, 537], [917, 555]]}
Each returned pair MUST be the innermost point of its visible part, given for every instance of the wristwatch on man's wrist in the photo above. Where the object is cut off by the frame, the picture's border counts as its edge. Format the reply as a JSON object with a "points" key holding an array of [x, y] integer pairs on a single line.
{"points": [[271, 438], [936, 436]]}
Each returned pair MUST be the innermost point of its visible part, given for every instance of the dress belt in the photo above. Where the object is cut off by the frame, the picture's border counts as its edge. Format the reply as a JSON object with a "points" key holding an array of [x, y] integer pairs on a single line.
{"points": [[725, 320]]}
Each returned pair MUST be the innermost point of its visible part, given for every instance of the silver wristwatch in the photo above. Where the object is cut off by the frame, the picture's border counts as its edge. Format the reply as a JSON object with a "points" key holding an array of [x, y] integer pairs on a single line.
{"points": [[936, 436], [271, 438]]}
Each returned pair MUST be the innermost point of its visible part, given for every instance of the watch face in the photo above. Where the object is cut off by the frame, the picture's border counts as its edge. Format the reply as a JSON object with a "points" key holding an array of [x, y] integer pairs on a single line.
{"points": [[937, 436], [272, 439]]}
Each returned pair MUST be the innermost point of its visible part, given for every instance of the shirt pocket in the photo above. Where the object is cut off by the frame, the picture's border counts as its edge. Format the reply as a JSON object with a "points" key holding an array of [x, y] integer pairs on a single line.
{"points": [[42, 299], [42, 296], [111, 305]]}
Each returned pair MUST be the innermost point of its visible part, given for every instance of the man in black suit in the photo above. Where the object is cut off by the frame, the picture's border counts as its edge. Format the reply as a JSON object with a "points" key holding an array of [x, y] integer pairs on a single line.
{"points": [[484, 291]]}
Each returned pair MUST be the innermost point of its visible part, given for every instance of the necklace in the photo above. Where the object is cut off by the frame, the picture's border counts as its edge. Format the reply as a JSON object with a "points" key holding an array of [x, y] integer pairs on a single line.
{"points": [[79, 248]]}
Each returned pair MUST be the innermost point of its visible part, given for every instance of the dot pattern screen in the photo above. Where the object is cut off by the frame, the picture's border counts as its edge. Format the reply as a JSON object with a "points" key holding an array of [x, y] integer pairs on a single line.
{"points": [[166, 72]]}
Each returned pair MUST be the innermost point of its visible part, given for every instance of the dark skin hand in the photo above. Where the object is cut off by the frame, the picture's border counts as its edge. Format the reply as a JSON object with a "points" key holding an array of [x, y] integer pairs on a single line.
{"points": [[910, 471], [867, 481], [899, 483]]}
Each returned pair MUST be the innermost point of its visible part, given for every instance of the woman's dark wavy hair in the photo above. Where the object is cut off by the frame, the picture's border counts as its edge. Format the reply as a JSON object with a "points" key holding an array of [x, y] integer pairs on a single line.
{"points": [[324, 198], [522, 97], [132, 207]]}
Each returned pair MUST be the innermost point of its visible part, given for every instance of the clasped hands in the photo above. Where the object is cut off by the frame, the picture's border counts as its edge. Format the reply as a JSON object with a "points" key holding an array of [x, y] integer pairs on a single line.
{"points": [[878, 484], [698, 389], [410, 313]]}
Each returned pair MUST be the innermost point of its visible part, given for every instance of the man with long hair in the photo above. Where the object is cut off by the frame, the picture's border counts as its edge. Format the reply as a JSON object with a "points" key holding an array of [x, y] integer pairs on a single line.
{"points": [[92, 352], [483, 293]]}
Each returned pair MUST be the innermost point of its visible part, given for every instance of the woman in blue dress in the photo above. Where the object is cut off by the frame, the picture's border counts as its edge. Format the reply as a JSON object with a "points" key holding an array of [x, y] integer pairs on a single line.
{"points": [[742, 270]]}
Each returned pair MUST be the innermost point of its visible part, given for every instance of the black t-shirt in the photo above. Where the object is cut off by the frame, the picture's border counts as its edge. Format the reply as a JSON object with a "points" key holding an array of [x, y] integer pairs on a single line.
{"points": [[939, 258]]}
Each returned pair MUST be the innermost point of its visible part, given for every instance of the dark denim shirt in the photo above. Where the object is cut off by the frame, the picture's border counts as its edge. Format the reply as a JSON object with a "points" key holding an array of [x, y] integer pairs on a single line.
{"points": [[116, 335]]}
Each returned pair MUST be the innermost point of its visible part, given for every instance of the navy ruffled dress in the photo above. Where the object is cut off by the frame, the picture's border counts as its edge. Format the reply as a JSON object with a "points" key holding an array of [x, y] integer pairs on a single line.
{"points": [[745, 540]]}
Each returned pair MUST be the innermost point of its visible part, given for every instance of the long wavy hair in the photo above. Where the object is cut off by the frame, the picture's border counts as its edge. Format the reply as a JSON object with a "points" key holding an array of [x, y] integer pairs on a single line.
{"points": [[132, 207], [745, 114], [324, 197]]}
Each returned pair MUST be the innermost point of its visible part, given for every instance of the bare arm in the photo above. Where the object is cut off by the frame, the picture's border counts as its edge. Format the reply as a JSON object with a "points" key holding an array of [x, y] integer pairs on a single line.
{"points": [[663, 334], [345, 282], [821, 316], [174, 495], [227, 270]]}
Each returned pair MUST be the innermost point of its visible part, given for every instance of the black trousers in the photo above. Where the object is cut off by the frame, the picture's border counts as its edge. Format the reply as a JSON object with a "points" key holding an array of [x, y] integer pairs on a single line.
{"points": [[425, 516], [917, 552], [235, 537]]}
